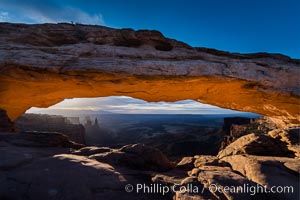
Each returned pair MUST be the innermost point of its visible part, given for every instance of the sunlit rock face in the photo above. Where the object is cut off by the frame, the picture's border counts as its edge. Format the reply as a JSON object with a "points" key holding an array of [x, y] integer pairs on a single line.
{"points": [[41, 65]]}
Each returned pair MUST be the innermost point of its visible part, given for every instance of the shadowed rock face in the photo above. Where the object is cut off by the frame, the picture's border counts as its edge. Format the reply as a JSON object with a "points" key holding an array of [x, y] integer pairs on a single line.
{"points": [[41, 65], [51, 123], [39, 139], [236, 127], [5, 123]]}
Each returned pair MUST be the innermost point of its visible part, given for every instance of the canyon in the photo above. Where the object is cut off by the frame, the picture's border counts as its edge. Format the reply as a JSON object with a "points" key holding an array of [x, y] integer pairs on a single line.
{"points": [[39, 165]]}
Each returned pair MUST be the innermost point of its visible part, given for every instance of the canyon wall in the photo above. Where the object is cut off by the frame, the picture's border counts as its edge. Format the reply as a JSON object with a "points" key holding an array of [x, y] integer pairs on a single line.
{"points": [[41, 65], [51, 123]]}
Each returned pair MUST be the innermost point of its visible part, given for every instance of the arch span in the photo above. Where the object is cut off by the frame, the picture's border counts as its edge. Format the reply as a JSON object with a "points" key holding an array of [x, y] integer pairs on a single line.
{"points": [[39, 70]]}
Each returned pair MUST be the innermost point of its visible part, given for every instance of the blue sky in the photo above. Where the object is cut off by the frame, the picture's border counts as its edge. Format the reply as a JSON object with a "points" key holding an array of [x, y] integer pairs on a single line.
{"points": [[244, 26], [233, 25]]}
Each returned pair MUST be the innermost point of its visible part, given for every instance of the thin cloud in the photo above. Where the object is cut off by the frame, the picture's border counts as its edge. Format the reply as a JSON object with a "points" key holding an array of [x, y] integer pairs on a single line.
{"points": [[4, 16], [45, 12], [123, 104]]}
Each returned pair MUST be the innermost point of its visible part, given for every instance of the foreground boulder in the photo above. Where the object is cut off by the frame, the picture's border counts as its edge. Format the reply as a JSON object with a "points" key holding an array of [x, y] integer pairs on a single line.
{"points": [[289, 136], [269, 171], [257, 144], [91, 150], [12, 156], [210, 173], [70, 177], [137, 156], [42, 172]]}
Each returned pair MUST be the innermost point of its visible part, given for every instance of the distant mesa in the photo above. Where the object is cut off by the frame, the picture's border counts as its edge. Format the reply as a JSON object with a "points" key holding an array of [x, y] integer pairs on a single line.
{"points": [[52, 123]]}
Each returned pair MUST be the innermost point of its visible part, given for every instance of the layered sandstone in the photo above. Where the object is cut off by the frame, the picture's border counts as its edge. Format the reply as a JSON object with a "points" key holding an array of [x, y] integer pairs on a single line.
{"points": [[43, 64]]}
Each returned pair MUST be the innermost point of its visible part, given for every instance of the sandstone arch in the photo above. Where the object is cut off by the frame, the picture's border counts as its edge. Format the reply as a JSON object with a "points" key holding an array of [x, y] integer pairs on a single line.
{"points": [[41, 65]]}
